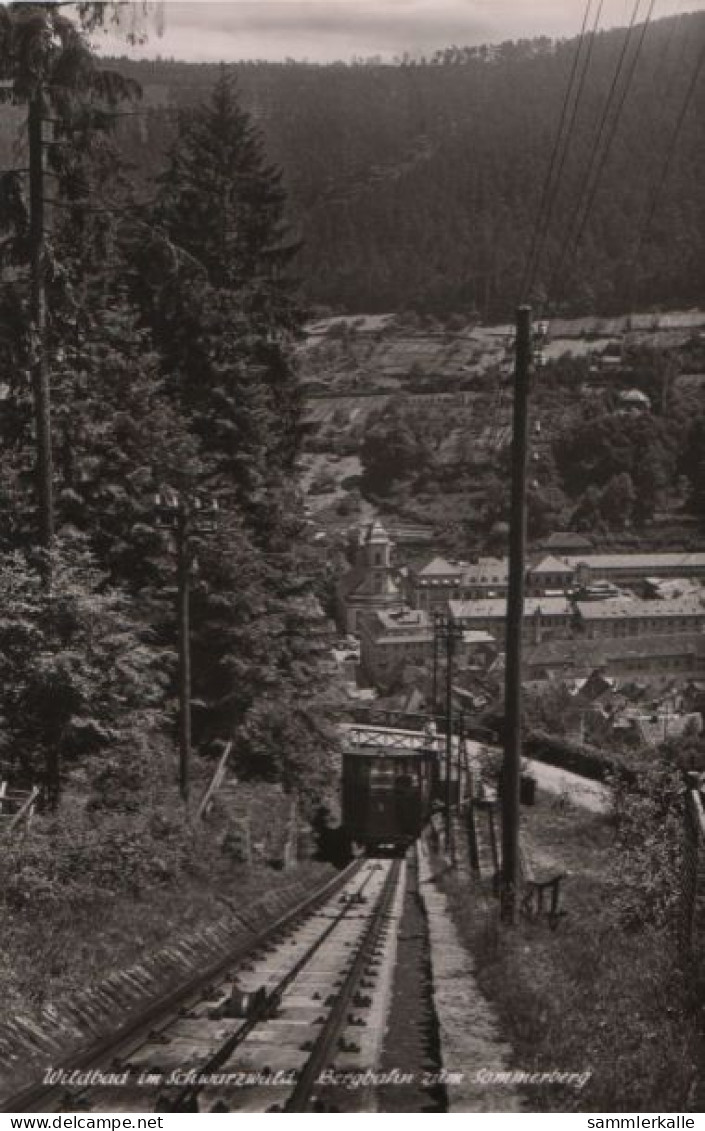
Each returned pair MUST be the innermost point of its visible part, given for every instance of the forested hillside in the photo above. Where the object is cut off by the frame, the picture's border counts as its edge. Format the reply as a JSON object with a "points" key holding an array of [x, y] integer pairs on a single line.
{"points": [[172, 394], [417, 185]]}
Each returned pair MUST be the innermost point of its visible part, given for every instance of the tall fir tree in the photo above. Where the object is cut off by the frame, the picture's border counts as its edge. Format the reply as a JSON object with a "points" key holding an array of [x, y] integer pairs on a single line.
{"points": [[226, 319], [217, 294]]}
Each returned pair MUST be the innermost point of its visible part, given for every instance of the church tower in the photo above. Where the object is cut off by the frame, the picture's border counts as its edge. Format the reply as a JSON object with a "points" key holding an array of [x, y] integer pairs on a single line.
{"points": [[375, 559], [370, 586]]}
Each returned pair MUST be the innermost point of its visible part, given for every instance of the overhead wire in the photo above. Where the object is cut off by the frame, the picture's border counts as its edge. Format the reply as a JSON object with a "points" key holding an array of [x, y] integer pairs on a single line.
{"points": [[566, 148], [543, 217], [614, 125], [596, 159]]}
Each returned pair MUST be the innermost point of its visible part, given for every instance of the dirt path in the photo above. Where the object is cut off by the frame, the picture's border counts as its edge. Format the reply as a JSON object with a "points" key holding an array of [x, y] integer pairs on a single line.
{"points": [[472, 1050]]}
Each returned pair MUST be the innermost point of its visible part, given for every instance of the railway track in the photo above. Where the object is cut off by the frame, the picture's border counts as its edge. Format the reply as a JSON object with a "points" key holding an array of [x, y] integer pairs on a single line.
{"points": [[290, 1026]]}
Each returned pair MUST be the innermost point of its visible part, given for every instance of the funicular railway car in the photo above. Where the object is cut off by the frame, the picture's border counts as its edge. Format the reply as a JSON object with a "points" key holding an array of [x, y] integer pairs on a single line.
{"points": [[387, 787]]}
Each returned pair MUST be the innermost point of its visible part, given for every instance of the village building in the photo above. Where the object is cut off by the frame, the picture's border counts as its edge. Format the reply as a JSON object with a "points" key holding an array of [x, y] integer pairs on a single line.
{"points": [[436, 583], [563, 542], [393, 639], [403, 637], [680, 657], [544, 618], [584, 571], [488, 577], [655, 728], [443, 580], [578, 606], [625, 616], [626, 569], [551, 575]]}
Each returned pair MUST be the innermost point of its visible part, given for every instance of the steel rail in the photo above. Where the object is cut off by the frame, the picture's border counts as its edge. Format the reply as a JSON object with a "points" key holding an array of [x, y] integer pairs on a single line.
{"points": [[164, 1009], [184, 1099], [325, 1042]]}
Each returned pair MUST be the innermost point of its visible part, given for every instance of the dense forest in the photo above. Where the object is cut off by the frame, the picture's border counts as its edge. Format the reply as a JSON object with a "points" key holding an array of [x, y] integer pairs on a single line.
{"points": [[417, 185], [166, 341]]}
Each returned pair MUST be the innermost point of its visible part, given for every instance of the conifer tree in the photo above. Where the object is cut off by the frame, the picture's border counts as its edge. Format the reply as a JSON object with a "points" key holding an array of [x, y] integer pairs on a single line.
{"points": [[226, 333], [79, 670], [216, 292]]}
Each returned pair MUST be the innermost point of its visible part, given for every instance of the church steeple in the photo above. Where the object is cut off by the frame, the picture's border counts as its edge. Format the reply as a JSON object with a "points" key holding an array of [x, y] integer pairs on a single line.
{"points": [[377, 554], [371, 584]]}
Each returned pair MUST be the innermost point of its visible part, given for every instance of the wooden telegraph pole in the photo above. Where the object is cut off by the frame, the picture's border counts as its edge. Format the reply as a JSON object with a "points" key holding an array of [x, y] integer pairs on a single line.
{"points": [[515, 614], [183, 556], [39, 367], [39, 370], [450, 648], [185, 514], [434, 684]]}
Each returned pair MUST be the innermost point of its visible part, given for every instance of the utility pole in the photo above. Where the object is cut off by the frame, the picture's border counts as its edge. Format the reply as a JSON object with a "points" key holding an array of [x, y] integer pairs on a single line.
{"points": [[515, 614], [38, 310], [449, 731], [461, 757], [183, 558], [185, 515], [446, 630], [41, 396], [434, 685]]}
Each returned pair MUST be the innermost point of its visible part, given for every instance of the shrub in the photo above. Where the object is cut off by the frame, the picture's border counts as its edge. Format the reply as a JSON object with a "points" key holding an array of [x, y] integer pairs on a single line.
{"points": [[587, 761]]}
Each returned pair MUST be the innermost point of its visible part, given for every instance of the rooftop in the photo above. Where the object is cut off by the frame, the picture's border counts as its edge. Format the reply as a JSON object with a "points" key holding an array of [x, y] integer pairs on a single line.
{"points": [[397, 620], [567, 540], [639, 561], [553, 565], [634, 396], [497, 607], [375, 532], [591, 653], [441, 567], [618, 607]]}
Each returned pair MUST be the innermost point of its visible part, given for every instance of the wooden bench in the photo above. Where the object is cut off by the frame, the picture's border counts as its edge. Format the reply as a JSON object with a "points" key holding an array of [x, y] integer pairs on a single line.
{"points": [[541, 896]]}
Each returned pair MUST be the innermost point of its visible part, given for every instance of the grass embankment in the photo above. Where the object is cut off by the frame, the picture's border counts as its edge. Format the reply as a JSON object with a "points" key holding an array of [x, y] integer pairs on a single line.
{"points": [[82, 898], [589, 996]]}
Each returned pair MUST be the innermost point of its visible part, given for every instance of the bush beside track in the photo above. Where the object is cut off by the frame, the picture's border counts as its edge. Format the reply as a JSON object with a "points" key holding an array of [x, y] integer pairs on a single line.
{"points": [[587, 761]]}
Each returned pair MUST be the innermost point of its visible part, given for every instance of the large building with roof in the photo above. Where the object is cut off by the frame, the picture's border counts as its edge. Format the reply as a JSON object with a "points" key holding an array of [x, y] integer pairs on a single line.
{"points": [[575, 571], [443, 580], [680, 657], [562, 542], [551, 574], [390, 641], [629, 616], [544, 618], [579, 603], [634, 568], [436, 583]]}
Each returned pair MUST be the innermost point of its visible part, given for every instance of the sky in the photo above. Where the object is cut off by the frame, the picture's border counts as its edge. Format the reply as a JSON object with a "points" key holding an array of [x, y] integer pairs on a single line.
{"points": [[325, 30]]}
